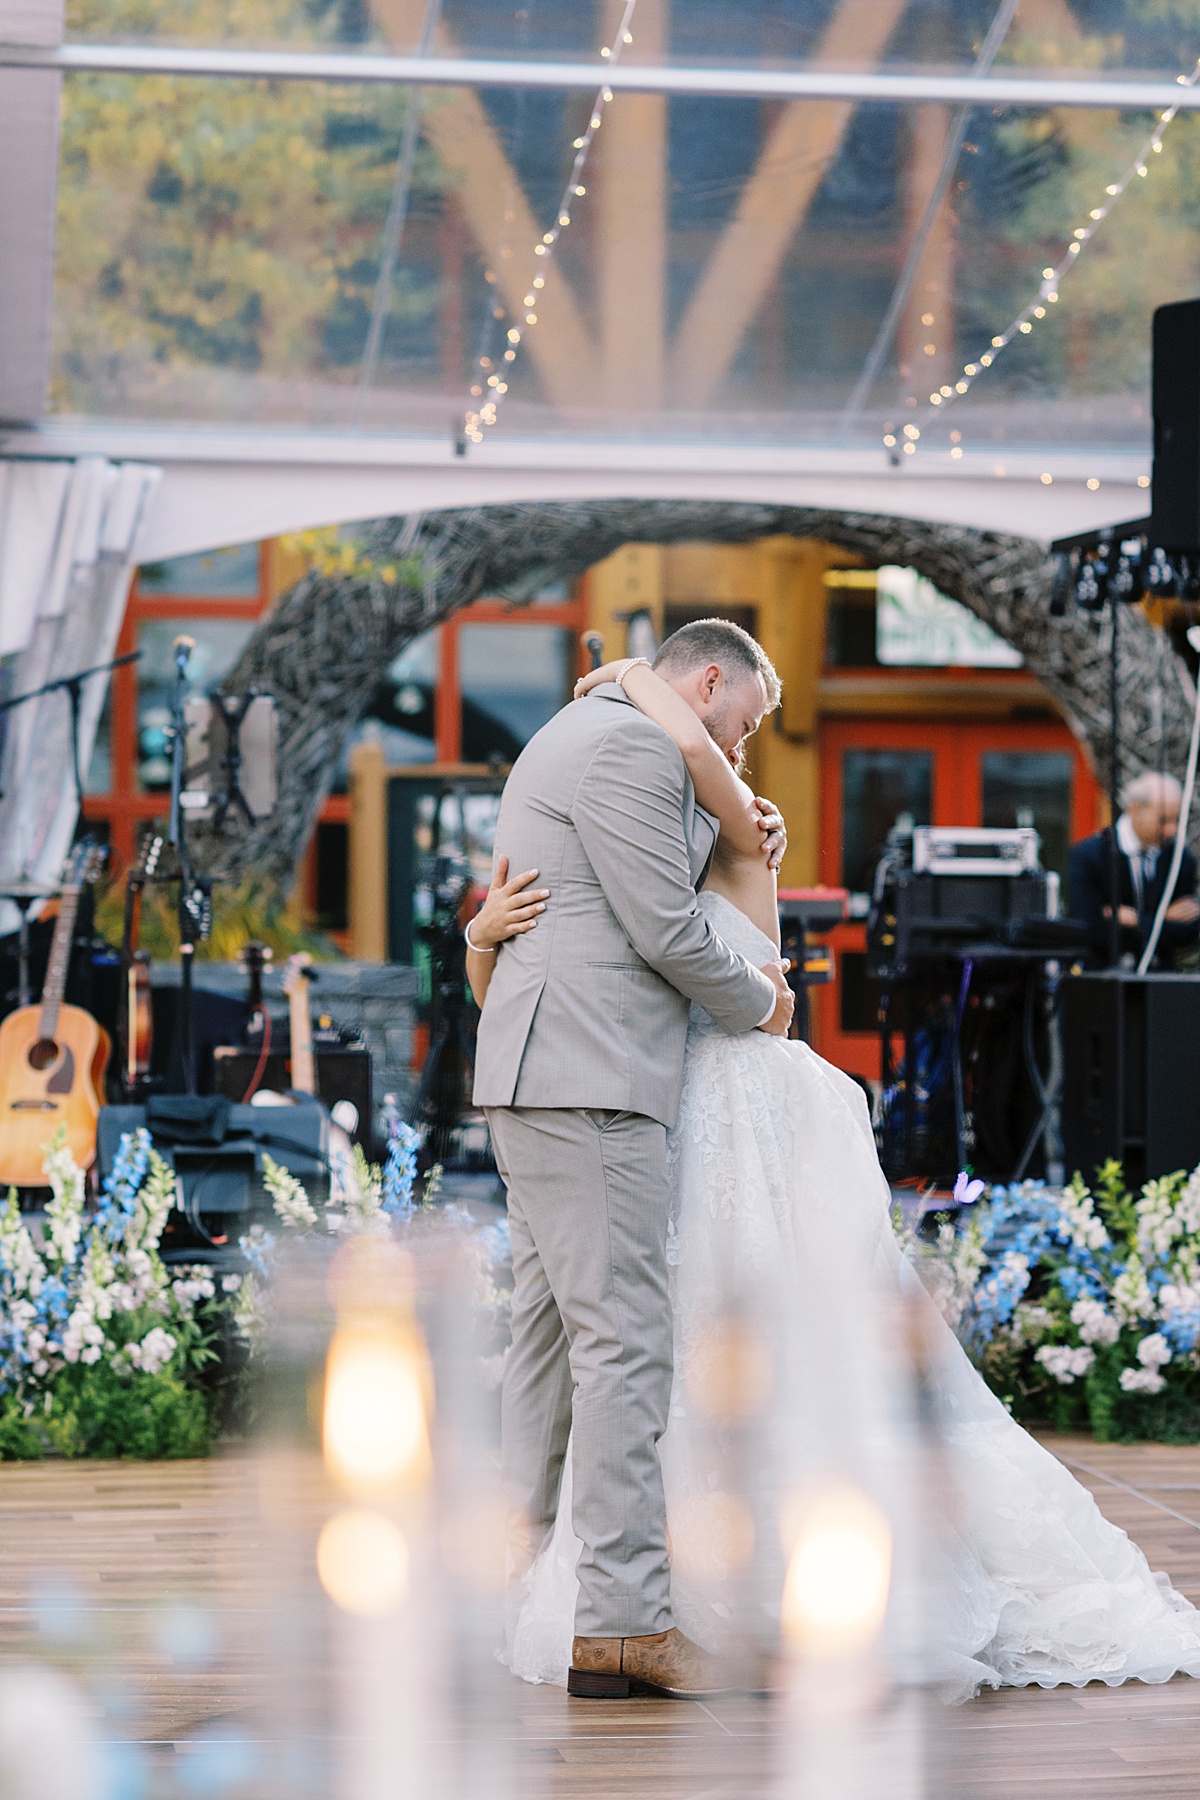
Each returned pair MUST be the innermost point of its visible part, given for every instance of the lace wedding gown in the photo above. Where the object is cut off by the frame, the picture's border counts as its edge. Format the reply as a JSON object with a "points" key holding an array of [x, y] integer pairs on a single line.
{"points": [[783, 1257]]}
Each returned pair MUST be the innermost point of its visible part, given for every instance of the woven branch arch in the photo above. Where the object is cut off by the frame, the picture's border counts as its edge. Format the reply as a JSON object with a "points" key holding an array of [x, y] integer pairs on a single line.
{"points": [[321, 649]]}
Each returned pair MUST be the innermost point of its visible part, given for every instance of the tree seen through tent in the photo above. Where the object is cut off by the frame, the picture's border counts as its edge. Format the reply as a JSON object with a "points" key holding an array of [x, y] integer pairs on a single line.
{"points": [[223, 226]]}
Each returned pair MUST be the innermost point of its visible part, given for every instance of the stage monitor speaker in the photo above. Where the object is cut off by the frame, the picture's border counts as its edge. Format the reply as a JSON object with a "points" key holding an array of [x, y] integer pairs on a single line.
{"points": [[1131, 1073], [1175, 387], [342, 1074]]}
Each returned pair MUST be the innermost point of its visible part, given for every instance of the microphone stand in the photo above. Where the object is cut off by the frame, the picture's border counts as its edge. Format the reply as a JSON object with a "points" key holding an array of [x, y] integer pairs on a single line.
{"points": [[73, 687], [1114, 793], [195, 893]]}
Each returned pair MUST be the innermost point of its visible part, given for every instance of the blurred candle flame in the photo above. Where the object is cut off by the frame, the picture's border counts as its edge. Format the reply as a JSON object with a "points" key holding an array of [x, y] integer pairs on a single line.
{"points": [[376, 1431], [729, 1374], [839, 1571], [362, 1562]]}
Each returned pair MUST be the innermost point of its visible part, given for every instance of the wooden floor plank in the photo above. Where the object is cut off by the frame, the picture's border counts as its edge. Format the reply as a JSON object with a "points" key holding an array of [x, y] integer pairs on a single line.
{"points": [[170, 1593]]}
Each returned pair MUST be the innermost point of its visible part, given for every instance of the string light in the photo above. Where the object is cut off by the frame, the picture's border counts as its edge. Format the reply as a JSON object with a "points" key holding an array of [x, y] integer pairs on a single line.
{"points": [[477, 420], [1052, 278]]}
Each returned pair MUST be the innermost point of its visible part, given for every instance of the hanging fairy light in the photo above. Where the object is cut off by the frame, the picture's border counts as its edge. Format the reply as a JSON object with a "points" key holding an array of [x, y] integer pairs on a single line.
{"points": [[492, 376], [1052, 279]]}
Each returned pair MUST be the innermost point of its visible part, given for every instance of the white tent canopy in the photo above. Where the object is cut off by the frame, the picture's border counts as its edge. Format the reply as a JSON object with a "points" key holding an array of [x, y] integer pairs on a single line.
{"points": [[68, 542], [232, 487]]}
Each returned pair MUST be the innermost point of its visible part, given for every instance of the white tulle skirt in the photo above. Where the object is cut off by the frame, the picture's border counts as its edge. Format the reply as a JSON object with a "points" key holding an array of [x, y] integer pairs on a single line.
{"points": [[786, 1271]]}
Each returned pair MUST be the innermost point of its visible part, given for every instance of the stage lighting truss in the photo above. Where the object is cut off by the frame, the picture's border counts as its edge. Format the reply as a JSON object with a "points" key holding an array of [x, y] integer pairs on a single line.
{"points": [[1121, 562]]}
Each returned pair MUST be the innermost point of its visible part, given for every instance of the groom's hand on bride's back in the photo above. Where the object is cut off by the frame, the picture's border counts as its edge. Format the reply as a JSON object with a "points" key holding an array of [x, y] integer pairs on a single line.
{"points": [[785, 1002]]}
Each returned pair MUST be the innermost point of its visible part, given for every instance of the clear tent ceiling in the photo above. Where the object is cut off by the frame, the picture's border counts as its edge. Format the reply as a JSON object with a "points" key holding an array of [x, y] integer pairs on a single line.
{"points": [[727, 269]]}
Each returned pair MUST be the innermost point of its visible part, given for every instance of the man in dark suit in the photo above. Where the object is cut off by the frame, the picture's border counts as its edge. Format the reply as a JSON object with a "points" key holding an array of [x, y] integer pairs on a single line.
{"points": [[1145, 842]]}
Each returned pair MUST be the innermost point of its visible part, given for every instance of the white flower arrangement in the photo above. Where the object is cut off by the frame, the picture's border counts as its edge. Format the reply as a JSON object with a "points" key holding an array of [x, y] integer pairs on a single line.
{"points": [[1080, 1307], [1132, 1299], [1096, 1324], [89, 1314], [1141, 1381], [1079, 1214], [1066, 1362], [89, 1298]]}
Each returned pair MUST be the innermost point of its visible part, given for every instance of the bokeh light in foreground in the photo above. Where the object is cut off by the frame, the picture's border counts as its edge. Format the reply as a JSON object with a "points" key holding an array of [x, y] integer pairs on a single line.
{"points": [[375, 1418], [362, 1560], [839, 1570]]}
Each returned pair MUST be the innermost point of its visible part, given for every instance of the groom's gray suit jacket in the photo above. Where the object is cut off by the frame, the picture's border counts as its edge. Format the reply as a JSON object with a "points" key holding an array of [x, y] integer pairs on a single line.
{"points": [[590, 1009]]}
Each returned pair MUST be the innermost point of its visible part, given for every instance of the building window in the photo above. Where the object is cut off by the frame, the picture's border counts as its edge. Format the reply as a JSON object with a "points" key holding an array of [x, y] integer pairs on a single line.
{"points": [[877, 786], [332, 883], [513, 678], [216, 598], [402, 710], [893, 617], [850, 629], [231, 574], [918, 627], [1031, 787]]}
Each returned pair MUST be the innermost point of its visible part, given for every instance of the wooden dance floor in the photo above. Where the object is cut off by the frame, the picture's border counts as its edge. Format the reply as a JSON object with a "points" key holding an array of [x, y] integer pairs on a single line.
{"points": [[145, 1583]]}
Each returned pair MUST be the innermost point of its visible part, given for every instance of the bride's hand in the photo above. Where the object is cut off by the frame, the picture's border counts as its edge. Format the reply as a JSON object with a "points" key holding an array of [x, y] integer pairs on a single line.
{"points": [[511, 908], [771, 824], [596, 677]]}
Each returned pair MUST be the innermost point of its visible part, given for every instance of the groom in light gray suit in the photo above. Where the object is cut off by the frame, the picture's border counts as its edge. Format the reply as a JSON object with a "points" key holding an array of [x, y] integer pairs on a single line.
{"points": [[579, 1067]]}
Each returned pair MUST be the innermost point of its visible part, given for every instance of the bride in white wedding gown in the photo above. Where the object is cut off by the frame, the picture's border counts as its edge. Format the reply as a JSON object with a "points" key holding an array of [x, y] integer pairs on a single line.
{"points": [[781, 1224]]}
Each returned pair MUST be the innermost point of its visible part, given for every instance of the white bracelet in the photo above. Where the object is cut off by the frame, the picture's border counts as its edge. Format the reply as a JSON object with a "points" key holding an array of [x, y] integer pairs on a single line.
{"points": [[475, 947], [630, 663]]}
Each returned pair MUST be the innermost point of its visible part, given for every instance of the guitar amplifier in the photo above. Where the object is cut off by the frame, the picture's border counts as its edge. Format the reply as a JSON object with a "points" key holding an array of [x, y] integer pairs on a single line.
{"points": [[218, 1179], [342, 1074]]}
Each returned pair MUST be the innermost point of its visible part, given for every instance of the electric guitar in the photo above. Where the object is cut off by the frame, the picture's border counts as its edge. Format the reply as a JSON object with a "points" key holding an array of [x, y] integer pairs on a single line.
{"points": [[52, 1056], [296, 979], [135, 1019]]}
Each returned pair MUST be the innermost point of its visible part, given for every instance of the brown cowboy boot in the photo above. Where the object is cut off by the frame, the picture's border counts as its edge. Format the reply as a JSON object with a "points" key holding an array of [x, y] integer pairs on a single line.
{"points": [[664, 1663]]}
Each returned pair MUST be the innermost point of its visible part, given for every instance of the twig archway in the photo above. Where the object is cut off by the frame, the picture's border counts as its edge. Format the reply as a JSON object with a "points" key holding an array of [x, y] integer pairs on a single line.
{"points": [[321, 649]]}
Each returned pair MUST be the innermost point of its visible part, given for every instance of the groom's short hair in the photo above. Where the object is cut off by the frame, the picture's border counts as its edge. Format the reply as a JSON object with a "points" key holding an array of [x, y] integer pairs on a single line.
{"points": [[734, 651]]}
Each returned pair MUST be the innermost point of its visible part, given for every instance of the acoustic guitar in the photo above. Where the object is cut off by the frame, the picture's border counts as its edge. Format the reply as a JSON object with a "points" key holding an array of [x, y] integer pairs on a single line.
{"points": [[135, 1019], [52, 1056]]}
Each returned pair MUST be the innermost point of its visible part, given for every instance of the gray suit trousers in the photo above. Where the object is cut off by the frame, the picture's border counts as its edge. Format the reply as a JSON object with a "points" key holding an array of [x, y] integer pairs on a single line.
{"points": [[591, 1350]]}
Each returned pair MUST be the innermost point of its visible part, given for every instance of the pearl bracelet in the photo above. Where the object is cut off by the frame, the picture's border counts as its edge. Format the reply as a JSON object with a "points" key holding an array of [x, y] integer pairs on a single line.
{"points": [[631, 663]]}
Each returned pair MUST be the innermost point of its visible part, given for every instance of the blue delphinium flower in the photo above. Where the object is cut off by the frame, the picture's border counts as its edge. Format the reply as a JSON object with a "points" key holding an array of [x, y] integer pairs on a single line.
{"points": [[1181, 1328], [400, 1171], [123, 1182], [497, 1243]]}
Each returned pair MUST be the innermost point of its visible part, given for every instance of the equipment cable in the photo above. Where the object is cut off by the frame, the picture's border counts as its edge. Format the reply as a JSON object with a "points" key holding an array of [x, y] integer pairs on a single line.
{"points": [[1185, 808]]}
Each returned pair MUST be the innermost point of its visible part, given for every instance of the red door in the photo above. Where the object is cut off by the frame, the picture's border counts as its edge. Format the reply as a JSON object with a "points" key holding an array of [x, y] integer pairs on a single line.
{"points": [[943, 773]]}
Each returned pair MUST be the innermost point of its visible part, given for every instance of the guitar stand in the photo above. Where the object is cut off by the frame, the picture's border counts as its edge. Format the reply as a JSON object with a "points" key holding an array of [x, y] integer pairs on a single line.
{"points": [[195, 924]]}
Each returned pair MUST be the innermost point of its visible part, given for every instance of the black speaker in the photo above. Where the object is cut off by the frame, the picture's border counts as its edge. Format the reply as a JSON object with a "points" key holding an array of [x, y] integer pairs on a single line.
{"points": [[1131, 1073], [218, 1177], [1175, 389]]}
